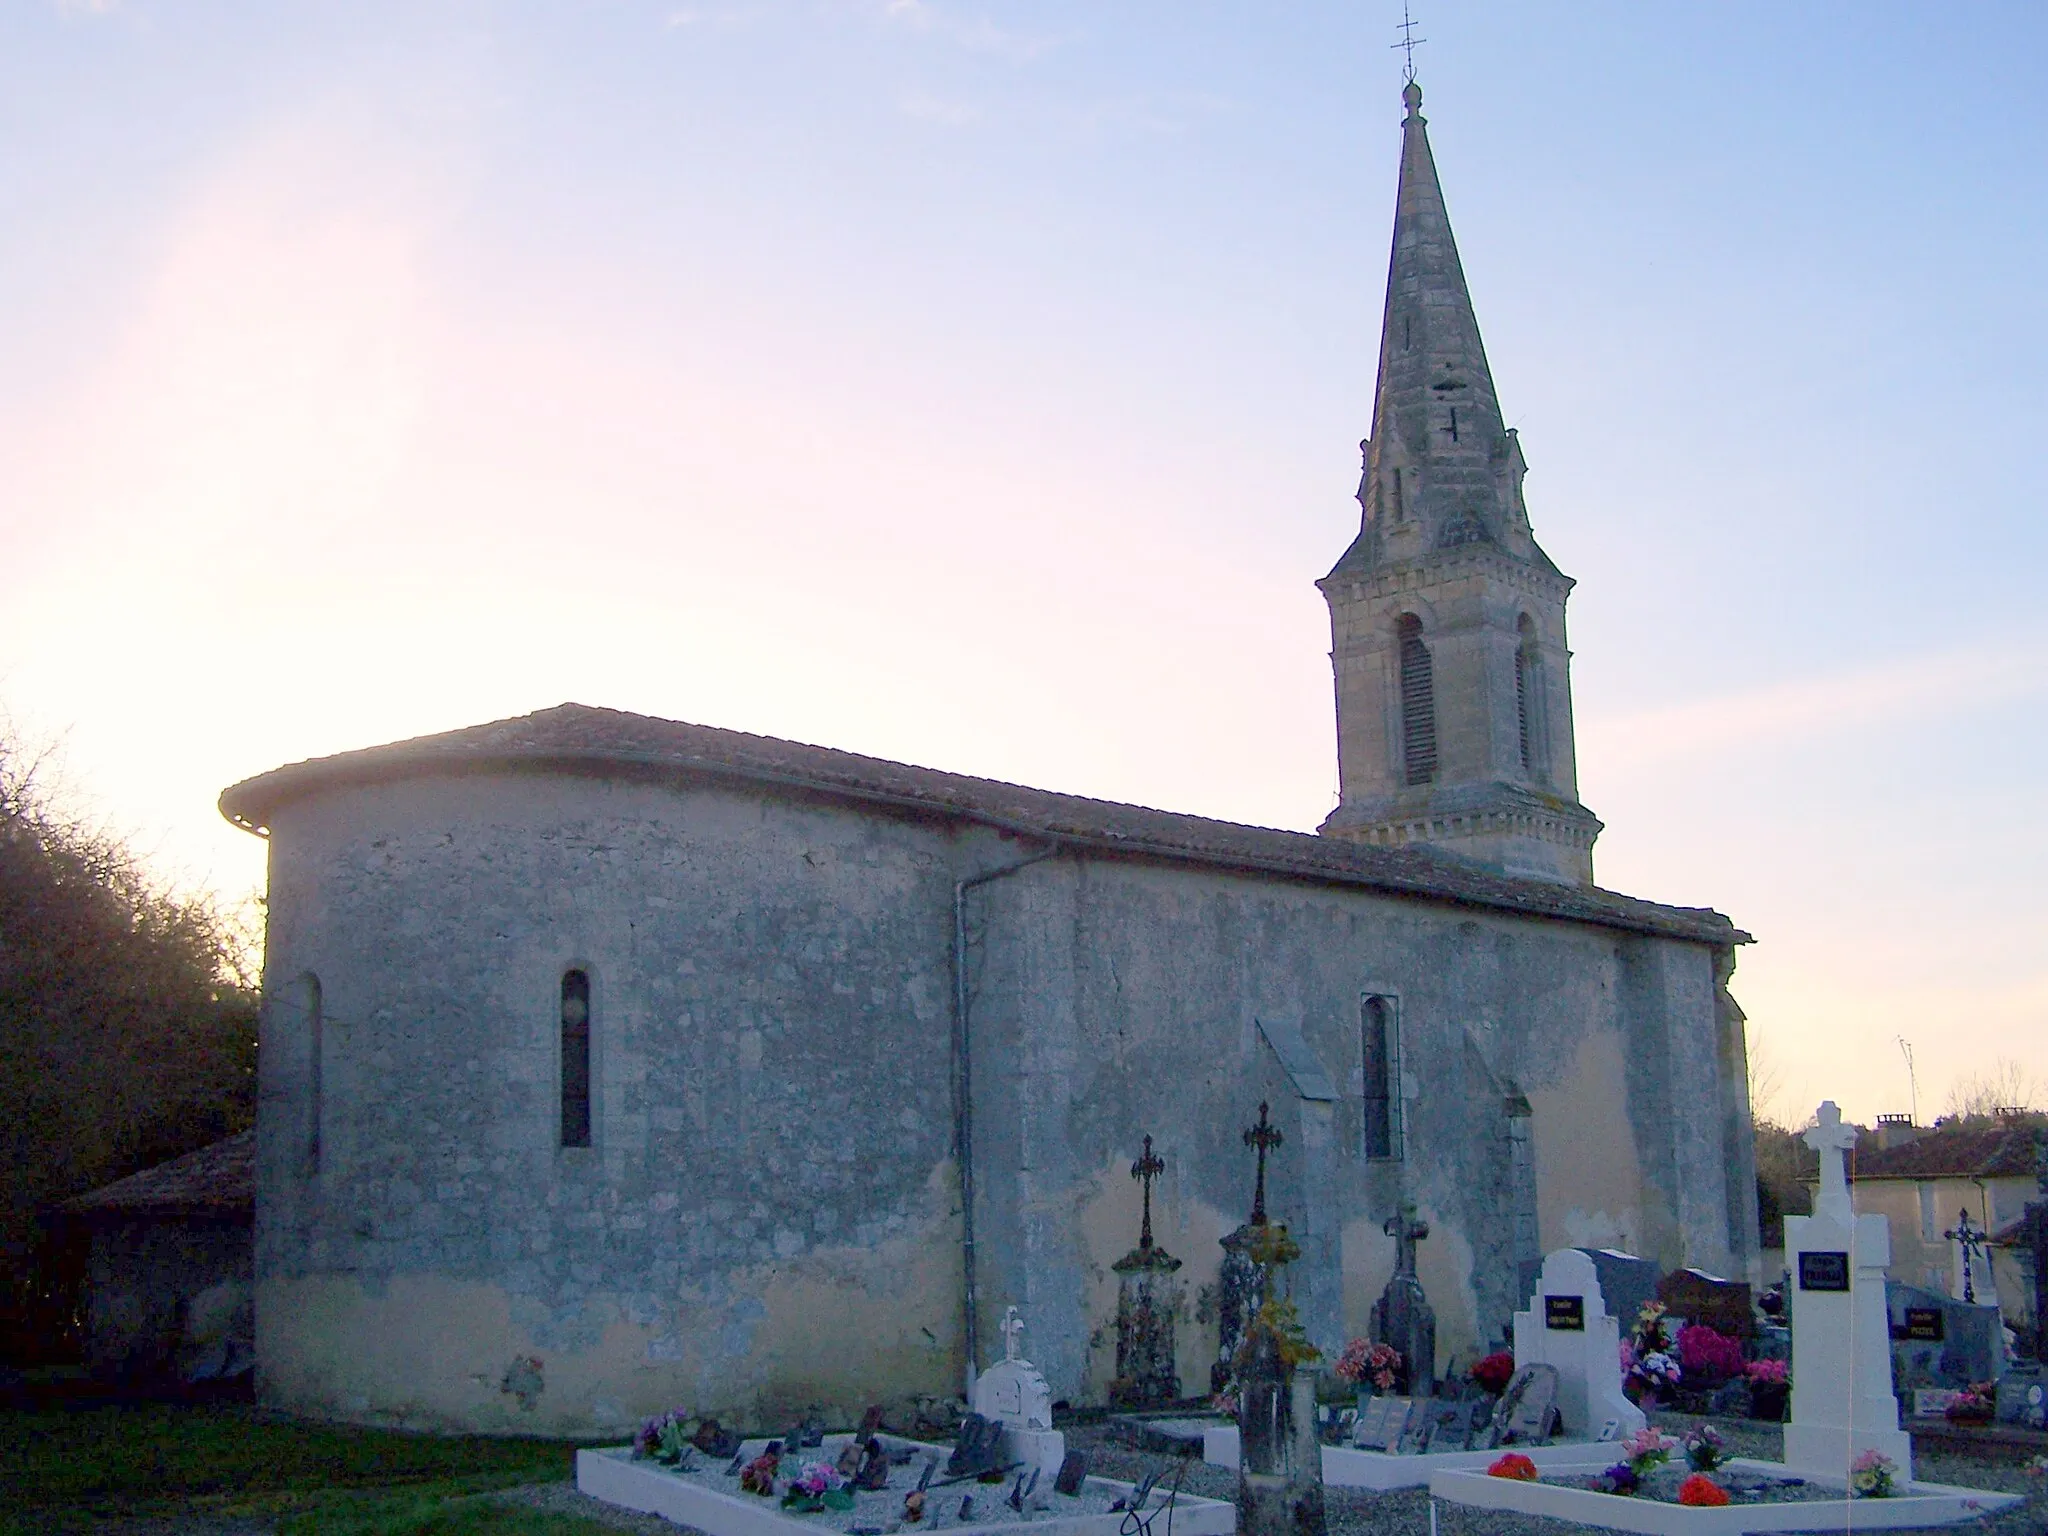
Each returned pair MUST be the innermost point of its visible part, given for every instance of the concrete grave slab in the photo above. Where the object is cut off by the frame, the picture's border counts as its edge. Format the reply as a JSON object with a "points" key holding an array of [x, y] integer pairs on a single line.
{"points": [[1382, 1471], [1917, 1504], [705, 1498]]}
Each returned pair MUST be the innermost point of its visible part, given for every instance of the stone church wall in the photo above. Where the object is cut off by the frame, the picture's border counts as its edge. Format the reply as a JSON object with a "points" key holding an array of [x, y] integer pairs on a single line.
{"points": [[769, 1216]]}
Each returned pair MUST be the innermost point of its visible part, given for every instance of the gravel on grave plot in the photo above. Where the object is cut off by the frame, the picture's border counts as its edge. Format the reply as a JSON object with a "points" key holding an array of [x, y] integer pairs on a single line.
{"points": [[1357, 1512]]}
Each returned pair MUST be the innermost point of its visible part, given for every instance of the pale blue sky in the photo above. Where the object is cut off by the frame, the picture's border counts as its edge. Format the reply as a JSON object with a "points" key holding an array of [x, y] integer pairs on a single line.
{"points": [[979, 385]]}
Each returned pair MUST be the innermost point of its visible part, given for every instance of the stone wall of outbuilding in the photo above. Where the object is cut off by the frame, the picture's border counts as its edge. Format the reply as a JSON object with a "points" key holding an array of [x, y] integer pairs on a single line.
{"points": [[769, 1215]]}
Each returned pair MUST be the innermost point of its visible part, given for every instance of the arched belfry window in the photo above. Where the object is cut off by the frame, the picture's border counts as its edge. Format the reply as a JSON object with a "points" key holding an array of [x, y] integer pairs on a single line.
{"points": [[575, 1058], [1380, 1034], [1418, 704], [1529, 700]]}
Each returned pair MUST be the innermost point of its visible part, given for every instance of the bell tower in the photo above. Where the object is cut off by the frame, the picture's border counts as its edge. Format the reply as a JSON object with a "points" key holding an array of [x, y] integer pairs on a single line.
{"points": [[1454, 703]]}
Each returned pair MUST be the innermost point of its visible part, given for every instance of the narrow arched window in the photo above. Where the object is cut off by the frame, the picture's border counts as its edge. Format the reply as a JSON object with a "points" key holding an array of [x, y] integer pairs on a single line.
{"points": [[306, 1003], [1382, 1048], [1529, 700], [1418, 704], [576, 1058]]}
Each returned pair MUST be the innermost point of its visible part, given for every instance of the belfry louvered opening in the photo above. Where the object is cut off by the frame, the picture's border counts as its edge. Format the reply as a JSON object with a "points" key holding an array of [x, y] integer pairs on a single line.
{"points": [[1418, 704]]}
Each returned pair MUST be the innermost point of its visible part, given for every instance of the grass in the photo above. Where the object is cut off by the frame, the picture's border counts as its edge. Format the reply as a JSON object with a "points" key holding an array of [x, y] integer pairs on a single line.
{"points": [[62, 1472]]}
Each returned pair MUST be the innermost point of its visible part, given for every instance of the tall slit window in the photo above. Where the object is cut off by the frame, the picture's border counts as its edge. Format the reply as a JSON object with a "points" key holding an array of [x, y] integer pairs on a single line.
{"points": [[1529, 700], [1382, 1052], [307, 1002], [1418, 704], [576, 1058]]}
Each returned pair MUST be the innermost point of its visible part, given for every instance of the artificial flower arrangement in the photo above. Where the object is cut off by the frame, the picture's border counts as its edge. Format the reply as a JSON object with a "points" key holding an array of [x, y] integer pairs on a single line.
{"points": [[1703, 1449], [817, 1487], [1515, 1465], [1872, 1475], [1706, 1352], [1647, 1362], [1656, 1373], [1702, 1492], [1363, 1361], [1975, 1404], [665, 1437], [1620, 1478], [758, 1475], [1647, 1450], [1767, 1373], [1493, 1372]]}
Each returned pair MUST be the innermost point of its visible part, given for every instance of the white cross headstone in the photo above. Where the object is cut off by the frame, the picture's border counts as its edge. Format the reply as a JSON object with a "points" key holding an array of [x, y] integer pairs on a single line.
{"points": [[1568, 1326], [1014, 1393], [1842, 1402]]}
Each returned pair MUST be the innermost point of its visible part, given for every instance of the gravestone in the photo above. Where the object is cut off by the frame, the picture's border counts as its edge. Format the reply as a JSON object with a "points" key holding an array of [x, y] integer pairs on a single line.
{"points": [[1241, 1284], [1279, 1464], [2023, 1397], [1726, 1306], [1842, 1400], [1938, 1341], [1568, 1326], [1147, 1298], [1014, 1394], [1403, 1316], [1527, 1411], [1626, 1282]]}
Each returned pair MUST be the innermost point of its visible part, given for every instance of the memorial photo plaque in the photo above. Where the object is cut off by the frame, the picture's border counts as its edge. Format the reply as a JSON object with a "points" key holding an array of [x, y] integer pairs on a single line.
{"points": [[1565, 1313], [1824, 1271]]}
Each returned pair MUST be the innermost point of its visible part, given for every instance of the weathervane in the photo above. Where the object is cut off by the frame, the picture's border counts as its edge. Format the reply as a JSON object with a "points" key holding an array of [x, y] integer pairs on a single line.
{"points": [[1408, 43]]}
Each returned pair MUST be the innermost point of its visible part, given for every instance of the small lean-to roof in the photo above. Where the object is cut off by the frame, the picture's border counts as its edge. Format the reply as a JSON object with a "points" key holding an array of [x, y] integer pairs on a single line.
{"points": [[217, 1181], [1955, 1152], [578, 738]]}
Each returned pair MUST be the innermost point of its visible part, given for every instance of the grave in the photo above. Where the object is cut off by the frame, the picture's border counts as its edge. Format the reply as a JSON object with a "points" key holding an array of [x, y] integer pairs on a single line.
{"points": [[1402, 1316], [1569, 1327], [1825, 1504], [1279, 1470], [1147, 1298], [1939, 1342], [1842, 1402], [1013, 1394], [706, 1494], [2023, 1397], [1693, 1295], [1626, 1281], [1241, 1284]]}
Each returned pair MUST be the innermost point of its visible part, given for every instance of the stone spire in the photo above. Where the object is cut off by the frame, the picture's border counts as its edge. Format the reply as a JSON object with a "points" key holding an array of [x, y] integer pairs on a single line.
{"points": [[1447, 620], [1441, 467]]}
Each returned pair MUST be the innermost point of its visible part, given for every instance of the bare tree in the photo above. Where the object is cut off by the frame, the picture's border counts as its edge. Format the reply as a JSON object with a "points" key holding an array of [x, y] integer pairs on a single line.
{"points": [[1766, 1081], [2006, 1084]]}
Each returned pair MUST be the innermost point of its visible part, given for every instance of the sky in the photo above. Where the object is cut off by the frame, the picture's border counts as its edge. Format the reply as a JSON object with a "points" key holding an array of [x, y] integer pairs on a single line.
{"points": [[979, 385]]}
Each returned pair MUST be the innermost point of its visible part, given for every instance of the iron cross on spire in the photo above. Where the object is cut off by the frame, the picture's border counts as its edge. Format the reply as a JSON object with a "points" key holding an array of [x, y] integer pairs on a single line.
{"points": [[1408, 44], [1264, 1137], [1145, 1170]]}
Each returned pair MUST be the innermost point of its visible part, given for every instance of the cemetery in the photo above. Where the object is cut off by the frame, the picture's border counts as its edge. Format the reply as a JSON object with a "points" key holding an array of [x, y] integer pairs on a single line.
{"points": [[1554, 1425]]}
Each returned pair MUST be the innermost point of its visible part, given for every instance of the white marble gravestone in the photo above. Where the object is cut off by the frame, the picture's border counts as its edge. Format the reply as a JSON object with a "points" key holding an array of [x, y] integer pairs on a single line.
{"points": [[1014, 1393], [1568, 1326], [1842, 1403]]}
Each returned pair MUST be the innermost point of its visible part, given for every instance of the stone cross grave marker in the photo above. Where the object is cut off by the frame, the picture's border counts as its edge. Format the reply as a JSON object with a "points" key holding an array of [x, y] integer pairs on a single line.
{"points": [[1842, 1402], [1567, 1325], [1402, 1316]]}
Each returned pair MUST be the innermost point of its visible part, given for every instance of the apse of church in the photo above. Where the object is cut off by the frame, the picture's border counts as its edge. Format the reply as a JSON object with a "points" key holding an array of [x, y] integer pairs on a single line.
{"points": [[611, 1064]]}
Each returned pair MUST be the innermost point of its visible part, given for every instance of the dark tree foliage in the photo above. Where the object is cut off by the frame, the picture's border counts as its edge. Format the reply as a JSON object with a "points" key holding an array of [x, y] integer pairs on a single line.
{"points": [[1783, 1165], [127, 1033]]}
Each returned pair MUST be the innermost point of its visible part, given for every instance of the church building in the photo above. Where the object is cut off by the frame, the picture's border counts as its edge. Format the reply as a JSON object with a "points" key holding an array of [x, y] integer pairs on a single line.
{"points": [[612, 1064]]}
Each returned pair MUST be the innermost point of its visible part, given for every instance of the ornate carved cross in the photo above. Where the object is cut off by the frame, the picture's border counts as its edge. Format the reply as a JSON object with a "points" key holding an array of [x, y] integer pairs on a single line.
{"points": [[1969, 1237], [1406, 1231], [1264, 1137], [1145, 1170]]}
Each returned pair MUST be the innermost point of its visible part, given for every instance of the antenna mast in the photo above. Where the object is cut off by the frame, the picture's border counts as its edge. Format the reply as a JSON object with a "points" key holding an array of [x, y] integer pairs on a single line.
{"points": [[1912, 1082]]}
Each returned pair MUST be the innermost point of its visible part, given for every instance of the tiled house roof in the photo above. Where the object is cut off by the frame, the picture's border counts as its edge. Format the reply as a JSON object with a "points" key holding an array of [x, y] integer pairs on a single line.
{"points": [[1955, 1152], [219, 1180], [580, 739]]}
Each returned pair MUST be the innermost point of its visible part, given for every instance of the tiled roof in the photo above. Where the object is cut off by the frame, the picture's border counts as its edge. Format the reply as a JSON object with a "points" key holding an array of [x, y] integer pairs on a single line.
{"points": [[219, 1180], [579, 738], [1955, 1152]]}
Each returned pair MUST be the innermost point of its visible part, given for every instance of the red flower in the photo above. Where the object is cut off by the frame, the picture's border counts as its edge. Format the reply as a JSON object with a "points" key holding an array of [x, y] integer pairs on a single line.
{"points": [[1494, 1371], [1702, 1491], [1522, 1469]]}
